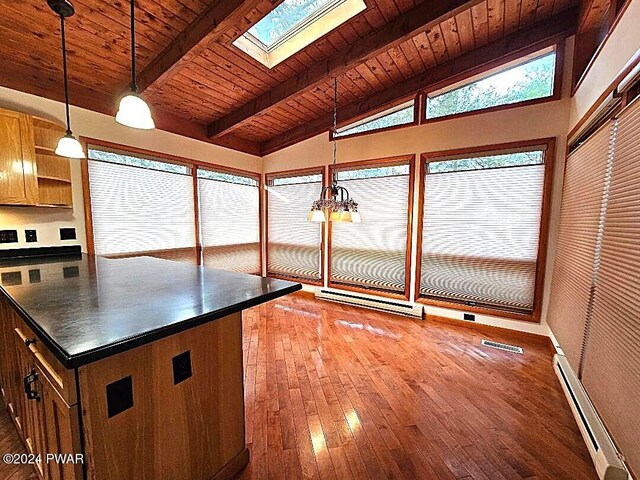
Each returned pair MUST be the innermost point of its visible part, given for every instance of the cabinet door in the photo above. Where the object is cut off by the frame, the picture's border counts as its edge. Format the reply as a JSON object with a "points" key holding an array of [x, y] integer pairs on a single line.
{"points": [[30, 411], [18, 176], [9, 374], [61, 432]]}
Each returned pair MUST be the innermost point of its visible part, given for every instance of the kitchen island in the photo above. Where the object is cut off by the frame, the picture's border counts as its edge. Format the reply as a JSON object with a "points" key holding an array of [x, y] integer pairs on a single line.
{"points": [[135, 364]]}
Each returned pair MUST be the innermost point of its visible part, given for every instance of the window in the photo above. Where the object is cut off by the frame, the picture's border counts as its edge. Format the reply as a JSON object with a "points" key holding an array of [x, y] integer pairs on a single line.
{"points": [[528, 80], [230, 220], [401, 115], [294, 245], [141, 206], [293, 25], [373, 254], [481, 227]]}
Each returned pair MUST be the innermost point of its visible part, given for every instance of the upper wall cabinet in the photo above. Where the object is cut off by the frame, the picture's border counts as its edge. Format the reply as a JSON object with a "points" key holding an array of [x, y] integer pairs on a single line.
{"points": [[30, 172], [18, 182]]}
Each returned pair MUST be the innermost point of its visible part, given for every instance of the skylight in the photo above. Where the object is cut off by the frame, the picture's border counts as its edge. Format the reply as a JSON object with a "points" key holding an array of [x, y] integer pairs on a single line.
{"points": [[287, 16], [293, 25]]}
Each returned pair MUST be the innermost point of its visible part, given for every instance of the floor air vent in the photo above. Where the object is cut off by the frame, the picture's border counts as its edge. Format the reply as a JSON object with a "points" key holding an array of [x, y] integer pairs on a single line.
{"points": [[502, 346]]}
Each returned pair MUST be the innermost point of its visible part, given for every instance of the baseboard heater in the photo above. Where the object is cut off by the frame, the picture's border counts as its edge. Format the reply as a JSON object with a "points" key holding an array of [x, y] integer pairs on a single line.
{"points": [[383, 305], [602, 450]]}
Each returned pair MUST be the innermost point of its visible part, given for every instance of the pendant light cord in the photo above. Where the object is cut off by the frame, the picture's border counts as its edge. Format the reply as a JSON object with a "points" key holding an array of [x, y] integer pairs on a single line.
{"points": [[134, 85], [64, 69], [335, 128]]}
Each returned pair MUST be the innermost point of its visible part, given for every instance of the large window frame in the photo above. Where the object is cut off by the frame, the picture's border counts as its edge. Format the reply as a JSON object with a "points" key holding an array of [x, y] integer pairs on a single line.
{"points": [[541, 259], [374, 163], [193, 165], [322, 170], [504, 64]]}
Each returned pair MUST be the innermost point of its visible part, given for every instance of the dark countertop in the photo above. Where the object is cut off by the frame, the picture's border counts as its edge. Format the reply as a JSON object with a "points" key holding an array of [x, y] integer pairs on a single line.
{"points": [[85, 308]]}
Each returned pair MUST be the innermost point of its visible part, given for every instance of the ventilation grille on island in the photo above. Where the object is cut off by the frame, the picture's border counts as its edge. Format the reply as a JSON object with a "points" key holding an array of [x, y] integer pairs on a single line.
{"points": [[502, 346]]}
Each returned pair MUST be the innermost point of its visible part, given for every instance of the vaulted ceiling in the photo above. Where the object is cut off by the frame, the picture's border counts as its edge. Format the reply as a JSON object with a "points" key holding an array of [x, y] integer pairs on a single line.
{"points": [[200, 85]]}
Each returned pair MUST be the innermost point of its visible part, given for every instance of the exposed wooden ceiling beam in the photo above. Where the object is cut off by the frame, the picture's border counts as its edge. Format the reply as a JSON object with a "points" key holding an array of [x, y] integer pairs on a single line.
{"points": [[504, 50], [48, 84], [592, 14], [209, 26], [407, 25]]}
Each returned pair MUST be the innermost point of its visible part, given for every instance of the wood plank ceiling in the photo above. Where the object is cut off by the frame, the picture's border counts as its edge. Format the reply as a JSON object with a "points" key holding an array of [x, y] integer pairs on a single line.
{"points": [[217, 80]]}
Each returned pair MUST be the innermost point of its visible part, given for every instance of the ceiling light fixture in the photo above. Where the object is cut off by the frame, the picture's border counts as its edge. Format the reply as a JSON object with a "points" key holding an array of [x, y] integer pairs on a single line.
{"points": [[334, 201], [133, 110], [68, 146]]}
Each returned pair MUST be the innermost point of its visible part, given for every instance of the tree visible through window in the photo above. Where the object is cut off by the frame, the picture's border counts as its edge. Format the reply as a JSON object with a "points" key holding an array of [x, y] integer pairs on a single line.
{"points": [[285, 17], [528, 81], [402, 115]]}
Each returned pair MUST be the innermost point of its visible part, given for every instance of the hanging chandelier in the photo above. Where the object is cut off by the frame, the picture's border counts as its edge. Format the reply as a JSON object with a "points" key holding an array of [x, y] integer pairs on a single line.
{"points": [[334, 203]]}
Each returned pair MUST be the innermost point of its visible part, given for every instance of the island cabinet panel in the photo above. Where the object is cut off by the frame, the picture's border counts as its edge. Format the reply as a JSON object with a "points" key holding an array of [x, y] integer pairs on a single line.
{"points": [[169, 409]]}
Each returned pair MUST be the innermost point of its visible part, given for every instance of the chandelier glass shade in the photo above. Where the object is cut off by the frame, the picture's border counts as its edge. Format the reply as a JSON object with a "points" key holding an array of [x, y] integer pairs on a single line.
{"points": [[334, 204]]}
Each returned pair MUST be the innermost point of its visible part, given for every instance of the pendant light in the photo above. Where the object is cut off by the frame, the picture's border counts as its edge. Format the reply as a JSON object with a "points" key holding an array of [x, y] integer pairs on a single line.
{"points": [[334, 201], [133, 110], [68, 146]]}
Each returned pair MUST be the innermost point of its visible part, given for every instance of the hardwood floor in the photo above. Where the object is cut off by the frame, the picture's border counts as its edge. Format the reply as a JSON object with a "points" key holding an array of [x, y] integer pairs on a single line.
{"points": [[336, 392]]}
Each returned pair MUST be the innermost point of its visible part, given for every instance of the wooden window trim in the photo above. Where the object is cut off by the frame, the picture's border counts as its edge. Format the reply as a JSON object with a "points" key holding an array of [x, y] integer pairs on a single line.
{"points": [[416, 121], [373, 163], [164, 157], [558, 45], [420, 112], [549, 162], [321, 170]]}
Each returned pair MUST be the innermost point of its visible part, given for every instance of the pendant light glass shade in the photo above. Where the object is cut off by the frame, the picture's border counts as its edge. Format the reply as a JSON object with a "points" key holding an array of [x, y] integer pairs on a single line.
{"points": [[69, 146], [134, 112]]}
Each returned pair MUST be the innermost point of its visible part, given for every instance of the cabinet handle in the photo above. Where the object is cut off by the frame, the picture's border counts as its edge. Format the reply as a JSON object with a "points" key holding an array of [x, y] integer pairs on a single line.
{"points": [[29, 341], [29, 380]]}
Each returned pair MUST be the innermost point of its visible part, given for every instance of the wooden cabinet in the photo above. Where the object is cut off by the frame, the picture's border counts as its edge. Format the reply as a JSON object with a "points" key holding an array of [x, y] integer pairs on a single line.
{"points": [[34, 393], [172, 408], [30, 172], [18, 170]]}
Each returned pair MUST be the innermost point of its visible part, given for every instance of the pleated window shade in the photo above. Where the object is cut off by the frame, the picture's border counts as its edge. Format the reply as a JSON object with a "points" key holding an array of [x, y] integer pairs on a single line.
{"points": [[582, 196], [481, 229], [611, 365], [373, 254], [141, 206], [294, 244], [230, 221]]}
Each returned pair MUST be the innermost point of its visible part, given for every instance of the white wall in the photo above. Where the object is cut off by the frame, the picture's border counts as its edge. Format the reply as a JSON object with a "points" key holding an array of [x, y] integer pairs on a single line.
{"points": [[618, 49], [86, 123], [549, 119]]}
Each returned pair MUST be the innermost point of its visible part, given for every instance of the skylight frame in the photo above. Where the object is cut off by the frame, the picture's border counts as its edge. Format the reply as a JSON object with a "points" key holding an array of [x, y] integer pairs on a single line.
{"points": [[301, 35]]}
